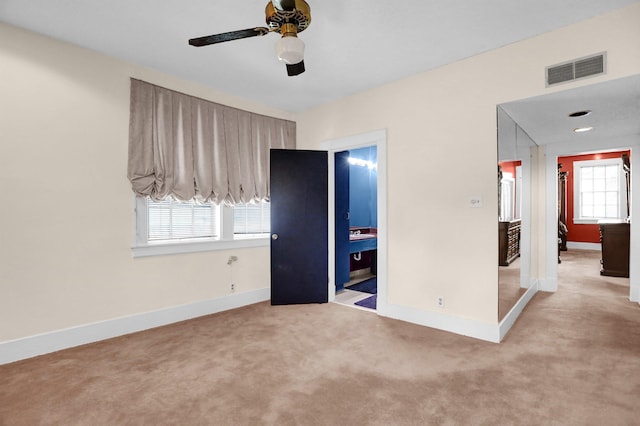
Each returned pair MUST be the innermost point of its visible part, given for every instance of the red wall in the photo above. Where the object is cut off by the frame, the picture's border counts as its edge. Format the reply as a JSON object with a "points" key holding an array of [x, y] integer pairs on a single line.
{"points": [[510, 167], [584, 233]]}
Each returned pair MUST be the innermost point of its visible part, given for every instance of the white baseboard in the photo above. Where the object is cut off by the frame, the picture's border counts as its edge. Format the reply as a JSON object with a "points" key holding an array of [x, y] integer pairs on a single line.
{"points": [[452, 324], [582, 246], [28, 347], [548, 284], [634, 294], [484, 331], [511, 317]]}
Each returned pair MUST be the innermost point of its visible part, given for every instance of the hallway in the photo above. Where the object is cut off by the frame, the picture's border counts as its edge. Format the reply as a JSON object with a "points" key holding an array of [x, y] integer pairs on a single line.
{"points": [[580, 272]]}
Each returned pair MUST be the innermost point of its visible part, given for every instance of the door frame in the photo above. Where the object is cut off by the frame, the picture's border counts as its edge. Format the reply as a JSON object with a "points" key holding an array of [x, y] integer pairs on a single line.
{"points": [[377, 138], [552, 152]]}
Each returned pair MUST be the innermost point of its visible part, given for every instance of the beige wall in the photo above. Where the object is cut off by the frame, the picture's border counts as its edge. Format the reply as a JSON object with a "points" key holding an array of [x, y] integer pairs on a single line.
{"points": [[66, 224], [67, 209], [442, 149]]}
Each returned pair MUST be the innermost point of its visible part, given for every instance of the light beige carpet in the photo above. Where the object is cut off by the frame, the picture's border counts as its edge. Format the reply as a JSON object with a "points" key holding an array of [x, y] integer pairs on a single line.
{"points": [[573, 358]]}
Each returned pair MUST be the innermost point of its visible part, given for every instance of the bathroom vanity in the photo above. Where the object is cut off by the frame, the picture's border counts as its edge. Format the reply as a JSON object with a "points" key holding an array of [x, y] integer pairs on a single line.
{"points": [[363, 245]]}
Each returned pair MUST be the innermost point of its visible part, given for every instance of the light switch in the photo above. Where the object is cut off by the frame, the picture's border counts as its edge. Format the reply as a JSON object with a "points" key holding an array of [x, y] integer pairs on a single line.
{"points": [[475, 202]]}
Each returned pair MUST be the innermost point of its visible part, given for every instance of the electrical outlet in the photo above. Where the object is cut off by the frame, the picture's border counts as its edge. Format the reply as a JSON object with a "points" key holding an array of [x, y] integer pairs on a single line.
{"points": [[440, 301], [233, 287]]}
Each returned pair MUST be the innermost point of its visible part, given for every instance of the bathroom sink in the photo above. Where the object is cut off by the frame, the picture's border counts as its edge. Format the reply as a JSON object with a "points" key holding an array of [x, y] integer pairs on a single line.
{"points": [[354, 237]]}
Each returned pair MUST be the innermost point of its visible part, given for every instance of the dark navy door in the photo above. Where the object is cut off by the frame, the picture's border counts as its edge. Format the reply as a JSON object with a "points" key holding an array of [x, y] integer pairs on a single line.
{"points": [[299, 227], [342, 218]]}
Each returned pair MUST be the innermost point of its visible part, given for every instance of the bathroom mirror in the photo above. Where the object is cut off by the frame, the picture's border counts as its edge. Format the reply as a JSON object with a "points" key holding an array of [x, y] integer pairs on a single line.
{"points": [[515, 175]]}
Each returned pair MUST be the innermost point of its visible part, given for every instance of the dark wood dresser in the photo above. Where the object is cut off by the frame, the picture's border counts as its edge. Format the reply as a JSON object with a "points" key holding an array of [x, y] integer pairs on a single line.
{"points": [[615, 249], [508, 241]]}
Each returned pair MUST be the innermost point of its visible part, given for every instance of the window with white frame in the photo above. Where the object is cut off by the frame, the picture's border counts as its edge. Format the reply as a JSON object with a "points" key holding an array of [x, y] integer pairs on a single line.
{"points": [[507, 197], [171, 220], [170, 226], [251, 220], [598, 190]]}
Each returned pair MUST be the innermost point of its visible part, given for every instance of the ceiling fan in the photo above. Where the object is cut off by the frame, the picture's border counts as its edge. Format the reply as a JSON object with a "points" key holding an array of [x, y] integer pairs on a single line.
{"points": [[286, 17]]}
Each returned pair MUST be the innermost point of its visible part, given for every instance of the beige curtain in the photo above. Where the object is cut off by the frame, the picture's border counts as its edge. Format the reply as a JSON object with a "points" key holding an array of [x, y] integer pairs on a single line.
{"points": [[184, 147]]}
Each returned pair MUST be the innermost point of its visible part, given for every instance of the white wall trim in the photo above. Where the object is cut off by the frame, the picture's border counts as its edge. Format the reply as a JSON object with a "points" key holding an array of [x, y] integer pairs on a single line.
{"points": [[525, 214], [575, 245], [28, 347], [551, 224], [634, 249], [549, 284], [552, 152], [577, 173], [198, 247], [479, 330], [511, 317], [453, 324]]}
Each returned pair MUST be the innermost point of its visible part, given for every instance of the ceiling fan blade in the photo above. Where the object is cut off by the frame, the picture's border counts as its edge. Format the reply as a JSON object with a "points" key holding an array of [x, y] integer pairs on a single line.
{"points": [[295, 69], [231, 35]]}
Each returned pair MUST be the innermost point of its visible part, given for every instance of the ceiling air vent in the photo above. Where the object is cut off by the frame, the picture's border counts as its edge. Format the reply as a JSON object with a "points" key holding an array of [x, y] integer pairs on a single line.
{"points": [[579, 68]]}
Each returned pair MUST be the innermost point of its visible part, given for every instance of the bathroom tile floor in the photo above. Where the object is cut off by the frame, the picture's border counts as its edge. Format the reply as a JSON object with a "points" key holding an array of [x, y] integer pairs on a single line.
{"points": [[350, 297]]}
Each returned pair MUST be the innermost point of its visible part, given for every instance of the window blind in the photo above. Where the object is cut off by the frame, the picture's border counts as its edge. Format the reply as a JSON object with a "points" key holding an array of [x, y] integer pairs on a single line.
{"points": [[251, 219], [172, 220]]}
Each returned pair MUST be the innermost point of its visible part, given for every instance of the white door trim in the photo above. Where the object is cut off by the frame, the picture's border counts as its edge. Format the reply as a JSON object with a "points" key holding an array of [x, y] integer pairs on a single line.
{"points": [[552, 152], [377, 138]]}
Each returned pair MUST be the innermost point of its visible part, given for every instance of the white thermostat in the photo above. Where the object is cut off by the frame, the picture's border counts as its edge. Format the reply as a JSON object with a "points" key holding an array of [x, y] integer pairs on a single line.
{"points": [[475, 202]]}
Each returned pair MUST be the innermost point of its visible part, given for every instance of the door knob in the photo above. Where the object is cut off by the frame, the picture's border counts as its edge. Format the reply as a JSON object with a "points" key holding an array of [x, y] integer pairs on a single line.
{"points": [[274, 236]]}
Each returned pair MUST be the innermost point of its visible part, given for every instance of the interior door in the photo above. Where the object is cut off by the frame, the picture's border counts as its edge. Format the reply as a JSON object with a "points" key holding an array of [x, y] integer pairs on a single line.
{"points": [[299, 227]]}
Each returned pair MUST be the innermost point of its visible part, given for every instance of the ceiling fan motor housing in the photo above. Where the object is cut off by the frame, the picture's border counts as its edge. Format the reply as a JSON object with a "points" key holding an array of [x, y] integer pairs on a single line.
{"points": [[288, 17]]}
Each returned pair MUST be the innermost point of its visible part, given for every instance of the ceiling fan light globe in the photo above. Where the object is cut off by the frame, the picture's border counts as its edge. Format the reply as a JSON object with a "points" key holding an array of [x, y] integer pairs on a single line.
{"points": [[290, 50]]}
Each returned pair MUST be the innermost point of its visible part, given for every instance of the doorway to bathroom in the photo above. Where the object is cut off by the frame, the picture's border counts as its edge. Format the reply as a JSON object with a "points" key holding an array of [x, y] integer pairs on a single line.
{"points": [[357, 219]]}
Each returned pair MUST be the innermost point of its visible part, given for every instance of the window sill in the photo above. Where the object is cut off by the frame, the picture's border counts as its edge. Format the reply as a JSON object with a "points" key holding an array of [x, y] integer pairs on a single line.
{"points": [[197, 247], [593, 221], [585, 221]]}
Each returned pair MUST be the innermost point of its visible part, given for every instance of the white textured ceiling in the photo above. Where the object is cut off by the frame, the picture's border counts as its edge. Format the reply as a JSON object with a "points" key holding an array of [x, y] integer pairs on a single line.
{"points": [[614, 106], [351, 45]]}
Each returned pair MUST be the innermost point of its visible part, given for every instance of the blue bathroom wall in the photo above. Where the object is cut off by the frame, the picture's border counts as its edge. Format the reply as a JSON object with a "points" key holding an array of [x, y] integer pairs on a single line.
{"points": [[363, 189]]}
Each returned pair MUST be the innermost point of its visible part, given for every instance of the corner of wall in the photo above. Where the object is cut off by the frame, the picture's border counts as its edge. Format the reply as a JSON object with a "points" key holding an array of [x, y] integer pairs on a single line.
{"points": [[28, 347]]}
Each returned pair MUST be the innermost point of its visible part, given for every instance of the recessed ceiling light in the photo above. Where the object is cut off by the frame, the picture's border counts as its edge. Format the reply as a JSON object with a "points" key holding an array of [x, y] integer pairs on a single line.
{"points": [[583, 129], [580, 113]]}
